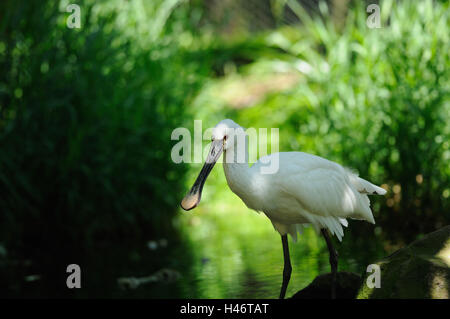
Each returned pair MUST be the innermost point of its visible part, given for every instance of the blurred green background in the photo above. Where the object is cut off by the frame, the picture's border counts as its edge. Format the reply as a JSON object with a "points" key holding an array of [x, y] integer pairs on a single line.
{"points": [[86, 117]]}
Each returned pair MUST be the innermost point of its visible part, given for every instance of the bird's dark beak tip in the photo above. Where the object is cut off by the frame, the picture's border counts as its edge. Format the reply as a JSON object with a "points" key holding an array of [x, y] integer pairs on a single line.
{"points": [[190, 202], [187, 209]]}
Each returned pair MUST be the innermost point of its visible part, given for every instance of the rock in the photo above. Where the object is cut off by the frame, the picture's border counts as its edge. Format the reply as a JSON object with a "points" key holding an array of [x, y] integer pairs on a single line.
{"points": [[347, 285], [419, 270]]}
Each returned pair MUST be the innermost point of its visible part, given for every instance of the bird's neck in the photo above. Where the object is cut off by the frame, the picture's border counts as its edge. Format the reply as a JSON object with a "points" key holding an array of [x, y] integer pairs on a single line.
{"points": [[237, 172]]}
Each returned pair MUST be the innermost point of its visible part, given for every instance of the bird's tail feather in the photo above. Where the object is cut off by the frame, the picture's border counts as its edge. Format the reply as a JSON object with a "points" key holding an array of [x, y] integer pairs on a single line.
{"points": [[333, 224], [294, 229], [363, 186]]}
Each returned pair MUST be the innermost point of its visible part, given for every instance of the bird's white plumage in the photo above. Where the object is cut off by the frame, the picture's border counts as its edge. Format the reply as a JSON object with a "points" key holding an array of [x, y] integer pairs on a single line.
{"points": [[306, 189]]}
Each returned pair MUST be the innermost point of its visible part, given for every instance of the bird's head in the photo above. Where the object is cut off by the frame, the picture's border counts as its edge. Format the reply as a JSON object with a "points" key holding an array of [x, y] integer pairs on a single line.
{"points": [[229, 132], [225, 137]]}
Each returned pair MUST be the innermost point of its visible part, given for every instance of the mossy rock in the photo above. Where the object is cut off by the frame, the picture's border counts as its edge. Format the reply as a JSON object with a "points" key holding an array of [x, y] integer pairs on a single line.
{"points": [[347, 285], [420, 270]]}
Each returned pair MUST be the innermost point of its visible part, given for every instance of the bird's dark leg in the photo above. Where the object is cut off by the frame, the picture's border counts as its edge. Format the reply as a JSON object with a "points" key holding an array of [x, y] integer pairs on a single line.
{"points": [[287, 266], [333, 262]]}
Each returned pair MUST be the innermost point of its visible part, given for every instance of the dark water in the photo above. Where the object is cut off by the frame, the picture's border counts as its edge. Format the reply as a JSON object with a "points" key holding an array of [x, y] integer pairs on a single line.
{"points": [[230, 255], [223, 250], [221, 257]]}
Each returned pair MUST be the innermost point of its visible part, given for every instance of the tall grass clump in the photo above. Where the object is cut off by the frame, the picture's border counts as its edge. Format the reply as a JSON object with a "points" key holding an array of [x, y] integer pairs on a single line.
{"points": [[85, 122], [376, 100]]}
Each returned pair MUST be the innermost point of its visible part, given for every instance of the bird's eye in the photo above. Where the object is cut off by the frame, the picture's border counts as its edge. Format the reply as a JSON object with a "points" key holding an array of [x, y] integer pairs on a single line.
{"points": [[225, 138]]}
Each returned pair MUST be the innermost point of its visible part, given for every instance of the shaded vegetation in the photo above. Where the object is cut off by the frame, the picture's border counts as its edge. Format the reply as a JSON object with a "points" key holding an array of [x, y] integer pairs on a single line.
{"points": [[86, 117]]}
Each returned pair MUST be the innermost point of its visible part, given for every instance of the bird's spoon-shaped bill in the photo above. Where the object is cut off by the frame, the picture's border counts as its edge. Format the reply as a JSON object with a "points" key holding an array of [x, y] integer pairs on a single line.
{"points": [[192, 199]]}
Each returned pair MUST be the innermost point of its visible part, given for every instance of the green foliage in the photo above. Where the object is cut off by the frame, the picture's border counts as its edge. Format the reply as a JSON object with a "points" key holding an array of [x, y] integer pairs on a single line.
{"points": [[376, 100], [86, 118]]}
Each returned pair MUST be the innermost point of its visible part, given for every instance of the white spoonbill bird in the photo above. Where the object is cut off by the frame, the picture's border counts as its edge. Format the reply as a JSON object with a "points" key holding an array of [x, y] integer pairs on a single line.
{"points": [[306, 189]]}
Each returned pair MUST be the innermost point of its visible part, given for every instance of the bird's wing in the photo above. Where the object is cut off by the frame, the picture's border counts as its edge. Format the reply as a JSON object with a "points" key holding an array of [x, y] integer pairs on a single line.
{"points": [[325, 192]]}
